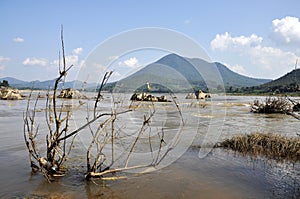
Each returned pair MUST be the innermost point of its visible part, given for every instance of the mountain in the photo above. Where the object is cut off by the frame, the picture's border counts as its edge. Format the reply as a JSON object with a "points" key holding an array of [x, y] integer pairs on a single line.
{"points": [[230, 78], [182, 74], [288, 83], [13, 81], [171, 72], [16, 83]]}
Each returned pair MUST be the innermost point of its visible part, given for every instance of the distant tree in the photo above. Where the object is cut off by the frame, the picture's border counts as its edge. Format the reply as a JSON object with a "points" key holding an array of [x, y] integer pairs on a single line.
{"points": [[219, 88], [4, 83]]}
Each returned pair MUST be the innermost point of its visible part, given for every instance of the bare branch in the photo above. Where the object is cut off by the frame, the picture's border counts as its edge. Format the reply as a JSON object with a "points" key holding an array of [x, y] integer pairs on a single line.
{"points": [[100, 174], [146, 122], [99, 95]]}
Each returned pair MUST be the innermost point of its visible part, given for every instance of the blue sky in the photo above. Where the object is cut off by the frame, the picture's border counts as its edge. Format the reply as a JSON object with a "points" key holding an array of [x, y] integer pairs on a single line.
{"points": [[255, 38]]}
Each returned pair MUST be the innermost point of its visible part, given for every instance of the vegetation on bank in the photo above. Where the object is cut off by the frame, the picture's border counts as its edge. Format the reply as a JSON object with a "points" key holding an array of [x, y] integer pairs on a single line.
{"points": [[4, 83], [288, 83], [260, 90], [272, 146]]}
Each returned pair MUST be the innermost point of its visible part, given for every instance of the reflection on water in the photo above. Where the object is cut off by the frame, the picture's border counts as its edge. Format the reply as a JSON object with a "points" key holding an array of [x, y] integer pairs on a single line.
{"points": [[220, 174]]}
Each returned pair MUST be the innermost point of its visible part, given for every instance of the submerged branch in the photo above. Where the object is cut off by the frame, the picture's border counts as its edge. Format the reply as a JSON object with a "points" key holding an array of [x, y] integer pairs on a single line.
{"points": [[100, 174]]}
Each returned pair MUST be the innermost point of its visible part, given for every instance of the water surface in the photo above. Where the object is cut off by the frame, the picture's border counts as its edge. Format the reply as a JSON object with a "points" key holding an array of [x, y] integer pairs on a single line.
{"points": [[220, 174]]}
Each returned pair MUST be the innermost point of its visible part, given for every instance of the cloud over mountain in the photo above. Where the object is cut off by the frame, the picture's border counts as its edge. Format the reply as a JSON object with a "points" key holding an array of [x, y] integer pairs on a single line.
{"points": [[132, 62]]}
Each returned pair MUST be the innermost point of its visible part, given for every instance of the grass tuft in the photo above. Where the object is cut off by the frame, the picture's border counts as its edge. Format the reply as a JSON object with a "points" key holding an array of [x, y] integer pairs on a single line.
{"points": [[272, 146]]}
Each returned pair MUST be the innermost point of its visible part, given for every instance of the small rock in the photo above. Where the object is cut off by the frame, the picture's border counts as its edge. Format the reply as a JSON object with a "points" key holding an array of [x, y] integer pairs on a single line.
{"points": [[198, 95], [148, 98], [70, 93]]}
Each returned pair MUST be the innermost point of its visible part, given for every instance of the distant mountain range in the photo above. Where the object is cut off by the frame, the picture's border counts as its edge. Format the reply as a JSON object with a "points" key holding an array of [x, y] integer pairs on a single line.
{"points": [[172, 71], [16, 83]]}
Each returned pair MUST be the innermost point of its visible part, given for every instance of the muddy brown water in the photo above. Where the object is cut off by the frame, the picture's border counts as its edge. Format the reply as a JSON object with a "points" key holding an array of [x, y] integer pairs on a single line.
{"points": [[219, 174]]}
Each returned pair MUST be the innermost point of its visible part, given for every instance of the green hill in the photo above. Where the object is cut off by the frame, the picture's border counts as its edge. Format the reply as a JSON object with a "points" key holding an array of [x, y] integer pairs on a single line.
{"points": [[287, 83], [186, 74]]}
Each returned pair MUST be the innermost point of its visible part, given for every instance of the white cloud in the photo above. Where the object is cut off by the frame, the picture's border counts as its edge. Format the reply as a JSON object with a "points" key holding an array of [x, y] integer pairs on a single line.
{"points": [[98, 68], [265, 60], [111, 58], [82, 63], [272, 58], [2, 62], [187, 21], [132, 62], [237, 68], [18, 40], [35, 61], [116, 75], [77, 51], [4, 59], [286, 30], [72, 59], [226, 41]]}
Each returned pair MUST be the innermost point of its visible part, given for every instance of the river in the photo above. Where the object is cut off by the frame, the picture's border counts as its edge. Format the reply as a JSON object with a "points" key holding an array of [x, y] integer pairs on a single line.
{"points": [[190, 173]]}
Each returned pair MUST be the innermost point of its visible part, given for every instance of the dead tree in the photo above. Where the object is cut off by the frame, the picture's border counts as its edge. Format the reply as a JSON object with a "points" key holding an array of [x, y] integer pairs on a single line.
{"points": [[50, 163], [58, 146], [60, 139]]}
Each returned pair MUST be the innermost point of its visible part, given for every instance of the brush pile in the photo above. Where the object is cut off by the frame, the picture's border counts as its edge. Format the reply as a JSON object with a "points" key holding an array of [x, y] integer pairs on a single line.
{"points": [[272, 105]]}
